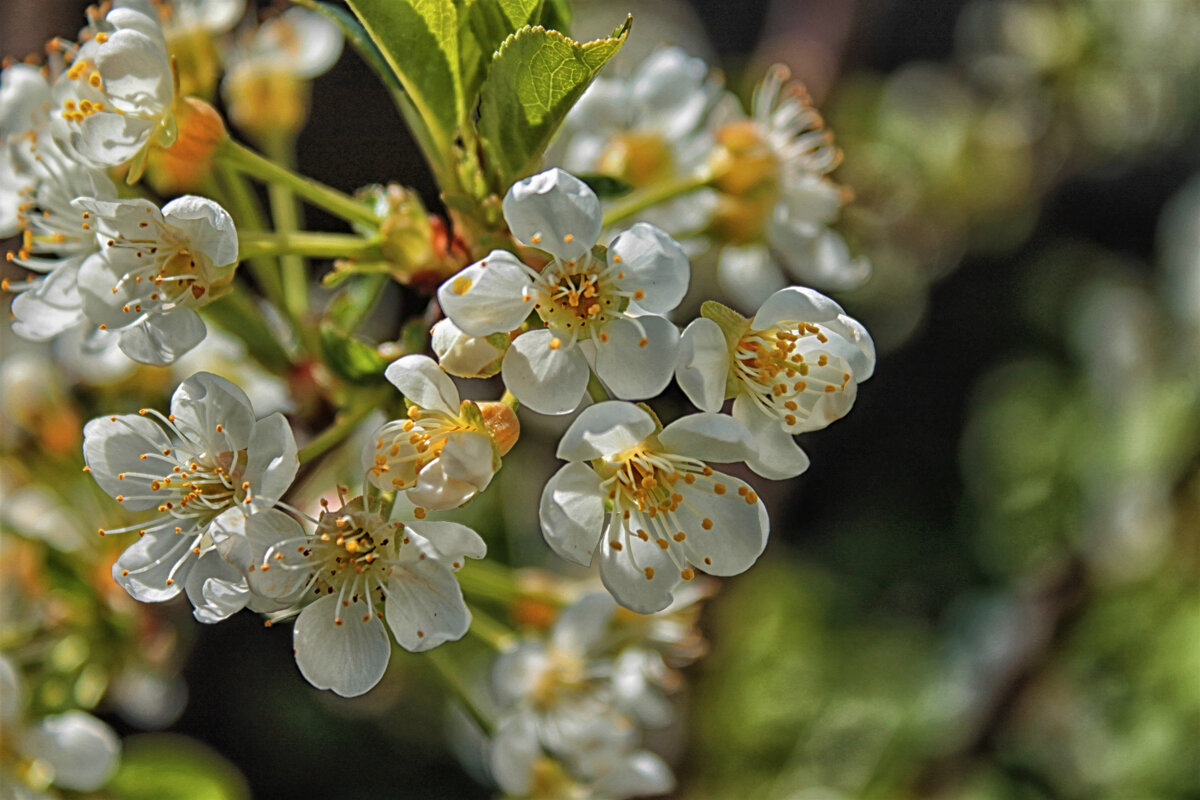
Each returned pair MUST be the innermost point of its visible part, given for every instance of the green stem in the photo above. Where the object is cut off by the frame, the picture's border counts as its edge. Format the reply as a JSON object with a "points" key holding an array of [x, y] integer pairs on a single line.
{"points": [[491, 630], [655, 194], [286, 215], [245, 160], [509, 399], [303, 243], [244, 206], [488, 580], [343, 425], [447, 672], [596, 390]]}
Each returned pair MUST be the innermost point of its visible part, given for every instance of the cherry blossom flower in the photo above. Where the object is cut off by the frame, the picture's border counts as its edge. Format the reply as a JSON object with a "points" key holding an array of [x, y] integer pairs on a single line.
{"points": [[76, 751], [644, 497], [157, 268], [783, 153], [118, 96], [603, 310], [362, 568], [446, 451], [202, 467], [794, 368]]}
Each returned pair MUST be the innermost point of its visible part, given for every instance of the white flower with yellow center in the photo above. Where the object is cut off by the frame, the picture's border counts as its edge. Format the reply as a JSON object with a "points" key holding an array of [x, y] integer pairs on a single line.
{"points": [[603, 310], [645, 498], [446, 451], [156, 268], [359, 568], [794, 368], [202, 467], [777, 202], [118, 95]]}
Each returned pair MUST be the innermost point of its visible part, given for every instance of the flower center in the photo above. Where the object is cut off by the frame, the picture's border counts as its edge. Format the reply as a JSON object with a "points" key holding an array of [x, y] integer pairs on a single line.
{"points": [[639, 159], [404, 448], [575, 302], [562, 674], [784, 373]]}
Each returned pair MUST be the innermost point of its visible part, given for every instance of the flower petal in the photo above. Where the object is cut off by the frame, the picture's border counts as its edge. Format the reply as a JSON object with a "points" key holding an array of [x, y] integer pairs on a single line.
{"points": [[726, 532], [571, 512], [464, 355], [267, 534], [53, 307], [272, 460], [653, 263], [215, 588], [640, 575], [160, 339], [154, 568], [776, 455], [205, 402], [638, 774], [583, 624], [348, 659], [81, 750], [423, 383], [795, 304], [817, 255], [491, 296], [638, 358], [114, 445], [208, 227], [515, 749], [554, 211], [452, 542], [425, 606], [708, 437], [862, 357], [703, 367], [548, 379], [748, 275], [604, 429]]}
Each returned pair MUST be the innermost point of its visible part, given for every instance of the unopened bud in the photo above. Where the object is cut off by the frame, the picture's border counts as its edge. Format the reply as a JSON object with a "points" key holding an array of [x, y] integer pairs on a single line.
{"points": [[186, 163], [502, 423], [468, 356]]}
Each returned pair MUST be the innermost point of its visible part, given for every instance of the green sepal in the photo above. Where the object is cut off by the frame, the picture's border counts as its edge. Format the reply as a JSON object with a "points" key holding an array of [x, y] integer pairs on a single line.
{"points": [[731, 323], [535, 79]]}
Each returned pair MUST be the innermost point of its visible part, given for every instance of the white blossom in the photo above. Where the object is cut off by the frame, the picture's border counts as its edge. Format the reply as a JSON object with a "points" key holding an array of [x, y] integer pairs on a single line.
{"points": [[118, 96], [202, 467], [794, 368], [362, 568], [156, 268], [443, 454], [606, 312], [467, 356], [77, 751], [647, 501], [784, 148]]}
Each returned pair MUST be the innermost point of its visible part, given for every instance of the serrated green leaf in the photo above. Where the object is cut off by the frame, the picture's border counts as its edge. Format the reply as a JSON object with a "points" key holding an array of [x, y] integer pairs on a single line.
{"points": [[419, 41], [351, 357], [485, 24], [535, 79]]}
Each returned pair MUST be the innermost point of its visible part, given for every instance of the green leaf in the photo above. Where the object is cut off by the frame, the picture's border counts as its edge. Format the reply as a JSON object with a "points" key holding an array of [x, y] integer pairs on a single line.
{"points": [[535, 79], [419, 40], [485, 24], [171, 767], [606, 187], [352, 304], [351, 357]]}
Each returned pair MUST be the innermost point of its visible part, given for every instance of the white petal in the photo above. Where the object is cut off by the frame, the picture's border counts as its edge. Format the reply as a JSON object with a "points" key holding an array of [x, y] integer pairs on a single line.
{"points": [[162, 338], [549, 380], [24, 92], [639, 774], [51, 308], [204, 402], [583, 624], [135, 69], [464, 355], [437, 491], [491, 296], [748, 276], [208, 227], [795, 304], [638, 359], [215, 588], [571, 512], [147, 565], [80, 749], [738, 531], [266, 534], [272, 459], [425, 606], [515, 748], [850, 329], [554, 211], [452, 542], [108, 138], [469, 457], [605, 429], [776, 455], [307, 43], [639, 576], [811, 198], [114, 445], [708, 437], [818, 256], [653, 263], [348, 659], [635, 693], [421, 381], [703, 367]]}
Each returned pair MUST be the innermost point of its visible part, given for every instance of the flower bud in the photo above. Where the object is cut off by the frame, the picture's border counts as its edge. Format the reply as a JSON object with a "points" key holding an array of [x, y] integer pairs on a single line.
{"points": [[185, 164], [468, 356], [502, 423]]}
